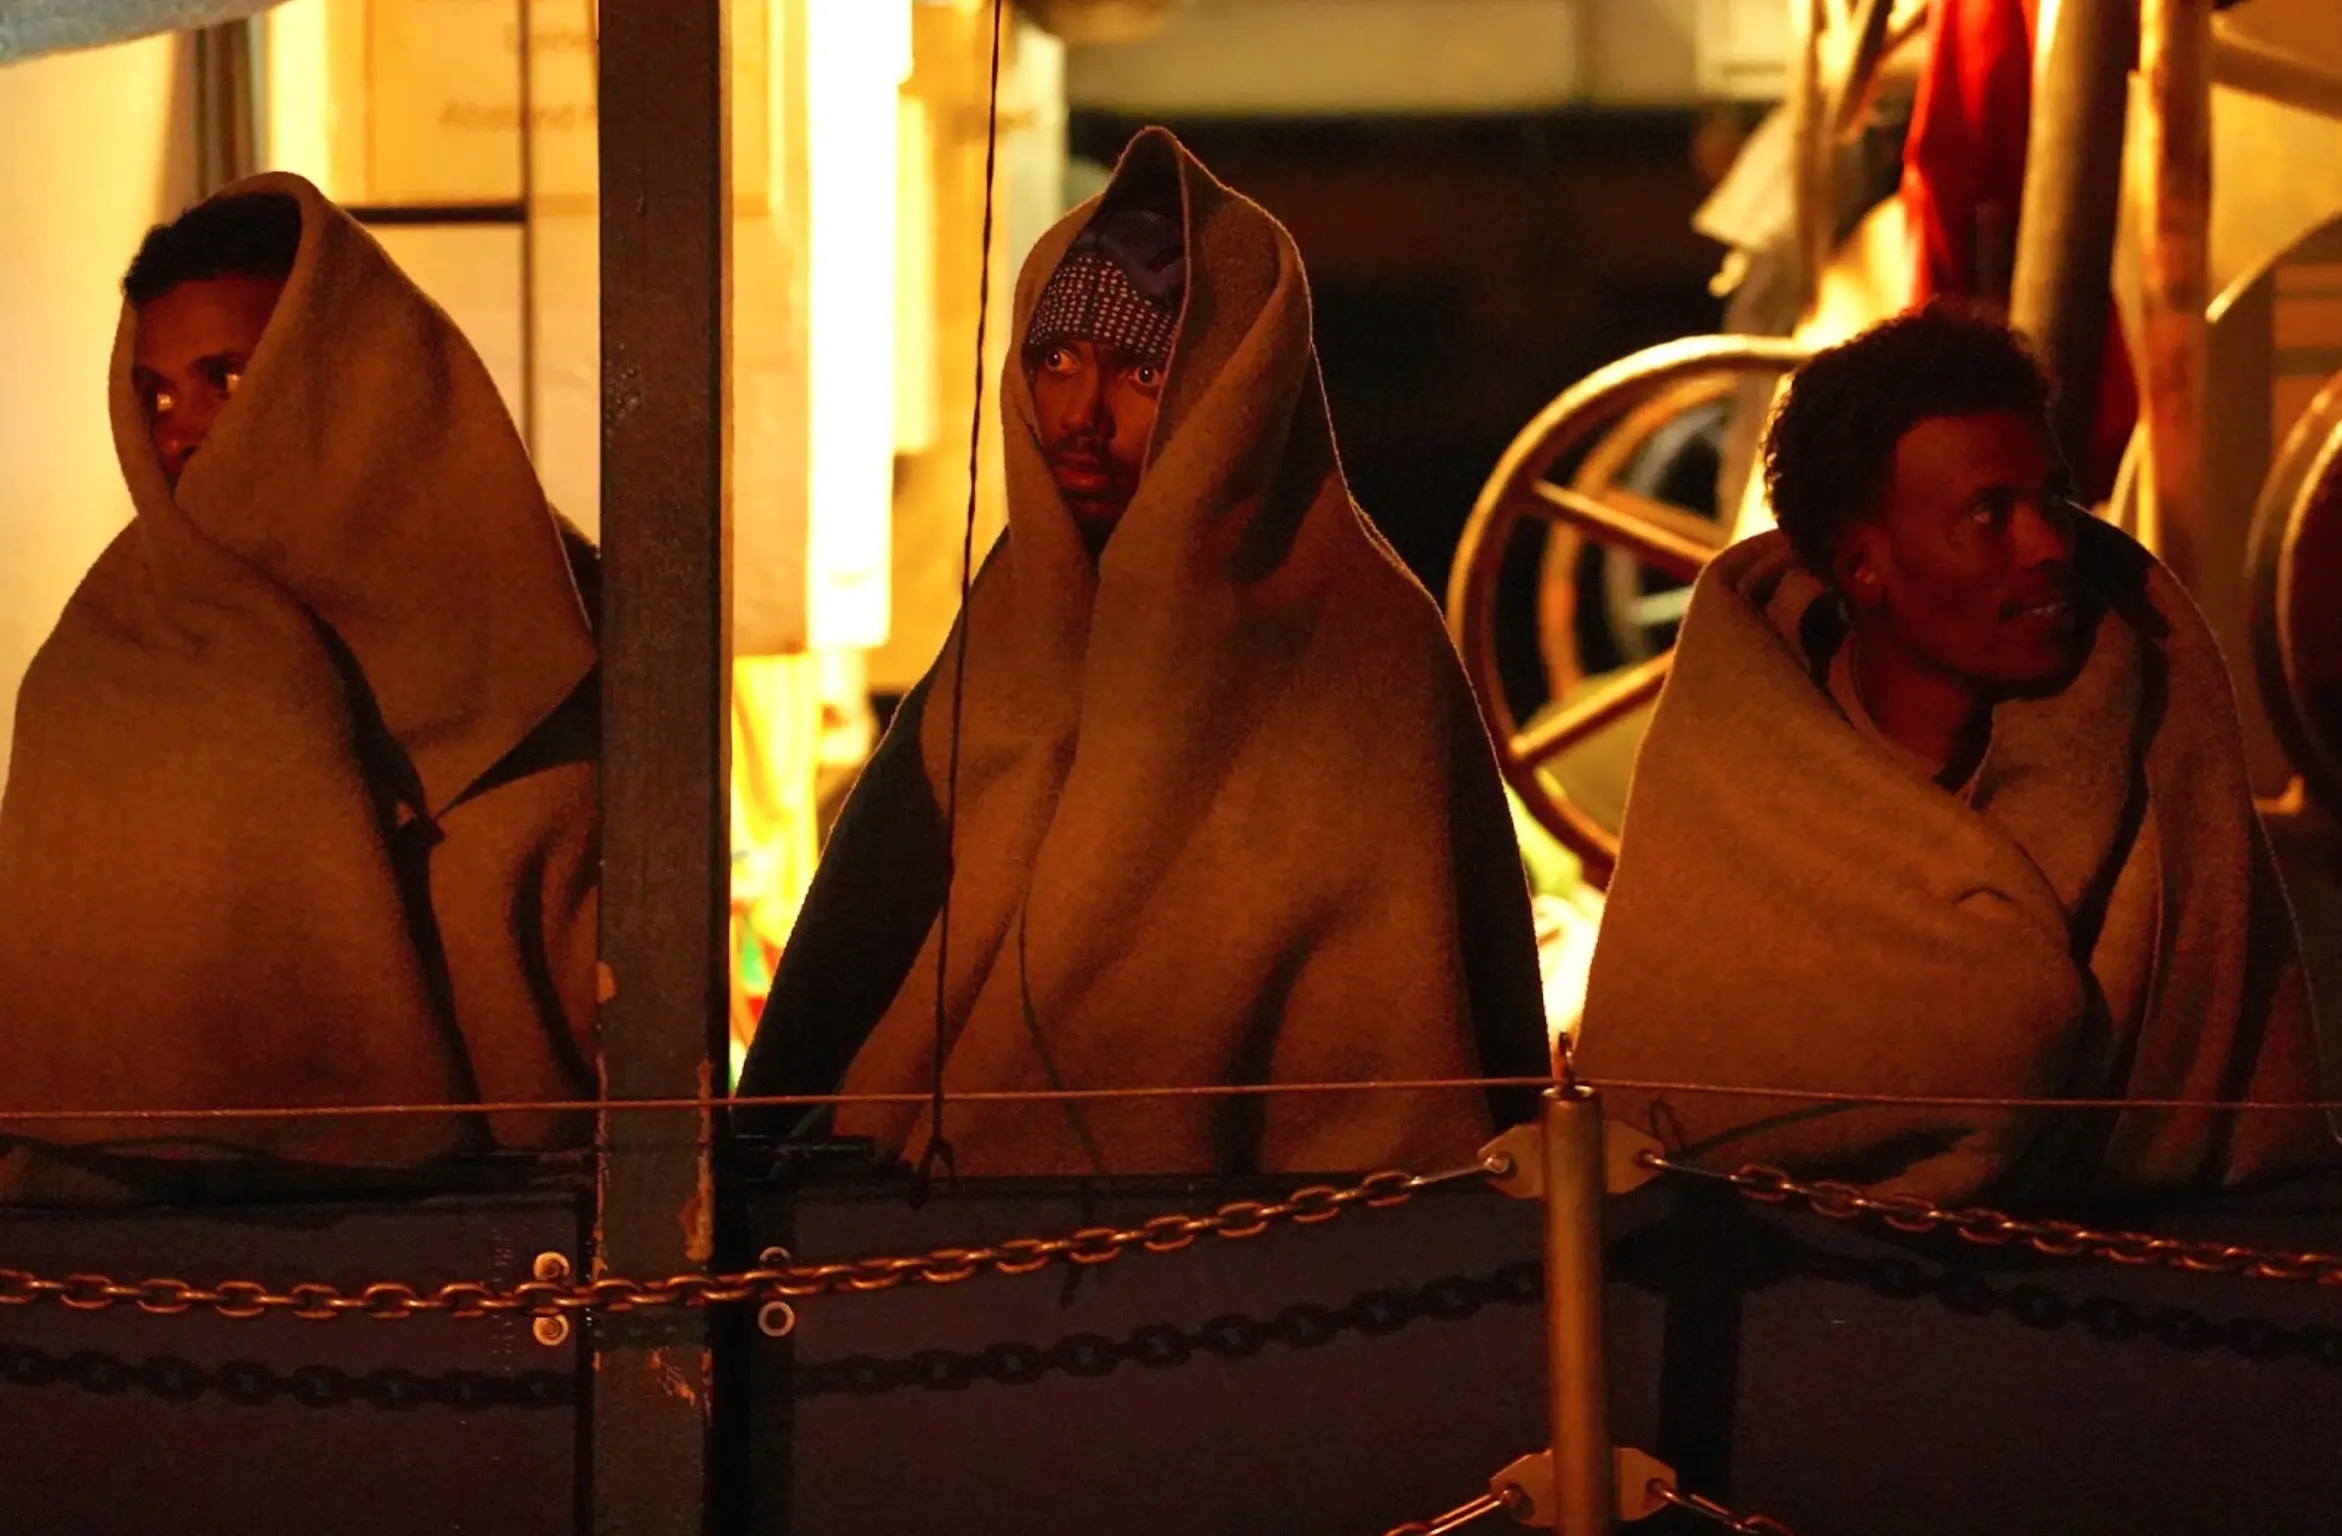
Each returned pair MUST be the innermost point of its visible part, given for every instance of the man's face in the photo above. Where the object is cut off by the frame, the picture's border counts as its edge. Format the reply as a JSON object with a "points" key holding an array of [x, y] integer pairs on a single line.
{"points": [[1969, 564], [192, 346], [1097, 408]]}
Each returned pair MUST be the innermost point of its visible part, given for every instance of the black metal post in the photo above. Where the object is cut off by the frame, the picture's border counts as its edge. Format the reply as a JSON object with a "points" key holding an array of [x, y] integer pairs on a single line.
{"points": [[666, 630]]}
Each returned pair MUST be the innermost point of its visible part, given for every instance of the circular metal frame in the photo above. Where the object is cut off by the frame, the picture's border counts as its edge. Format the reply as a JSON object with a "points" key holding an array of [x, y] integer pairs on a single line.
{"points": [[1613, 458], [2306, 482], [1665, 537]]}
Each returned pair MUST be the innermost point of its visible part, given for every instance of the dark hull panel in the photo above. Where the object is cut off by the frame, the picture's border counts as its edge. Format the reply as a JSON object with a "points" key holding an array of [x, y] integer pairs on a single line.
{"points": [[115, 1422], [1379, 1368], [1341, 1377]]}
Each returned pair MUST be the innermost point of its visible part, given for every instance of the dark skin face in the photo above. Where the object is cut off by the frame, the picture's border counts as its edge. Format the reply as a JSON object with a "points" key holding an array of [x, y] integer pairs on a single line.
{"points": [[192, 347], [1096, 406], [1961, 586]]}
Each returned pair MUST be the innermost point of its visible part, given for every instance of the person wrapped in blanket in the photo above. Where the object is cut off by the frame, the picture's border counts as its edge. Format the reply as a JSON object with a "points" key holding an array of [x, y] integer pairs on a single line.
{"points": [[1946, 797], [1226, 813], [302, 809]]}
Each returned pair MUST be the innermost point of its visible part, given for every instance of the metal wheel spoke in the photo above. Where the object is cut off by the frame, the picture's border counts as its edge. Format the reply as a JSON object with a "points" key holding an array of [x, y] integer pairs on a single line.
{"points": [[1660, 536], [1604, 706], [1653, 609], [1601, 426]]}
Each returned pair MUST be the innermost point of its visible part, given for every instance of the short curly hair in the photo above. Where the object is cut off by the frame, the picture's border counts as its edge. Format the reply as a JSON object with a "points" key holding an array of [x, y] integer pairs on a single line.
{"points": [[1830, 447], [251, 234]]}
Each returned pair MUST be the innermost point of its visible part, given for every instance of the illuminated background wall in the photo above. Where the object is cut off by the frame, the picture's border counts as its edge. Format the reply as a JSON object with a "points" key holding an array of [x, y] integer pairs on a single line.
{"points": [[73, 221]]}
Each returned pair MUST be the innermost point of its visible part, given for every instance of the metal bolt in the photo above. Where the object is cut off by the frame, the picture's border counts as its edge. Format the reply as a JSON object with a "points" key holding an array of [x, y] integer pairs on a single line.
{"points": [[776, 1319], [552, 1266], [775, 1257], [552, 1330]]}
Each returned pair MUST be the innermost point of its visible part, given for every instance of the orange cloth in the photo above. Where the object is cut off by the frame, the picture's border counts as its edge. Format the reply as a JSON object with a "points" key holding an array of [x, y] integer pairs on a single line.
{"points": [[268, 840]]}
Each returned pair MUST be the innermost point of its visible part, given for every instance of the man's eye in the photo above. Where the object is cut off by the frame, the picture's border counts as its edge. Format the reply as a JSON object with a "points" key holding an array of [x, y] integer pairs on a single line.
{"points": [[1146, 376], [161, 403]]}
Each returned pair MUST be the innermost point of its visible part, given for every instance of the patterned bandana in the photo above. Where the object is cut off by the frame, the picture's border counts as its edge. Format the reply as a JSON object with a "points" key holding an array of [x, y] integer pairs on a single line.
{"points": [[1120, 285]]}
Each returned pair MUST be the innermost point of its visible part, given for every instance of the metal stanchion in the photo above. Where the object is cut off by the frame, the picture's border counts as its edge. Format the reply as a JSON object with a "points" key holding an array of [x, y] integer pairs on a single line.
{"points": [[1578, 1379], [1581, 1484]]}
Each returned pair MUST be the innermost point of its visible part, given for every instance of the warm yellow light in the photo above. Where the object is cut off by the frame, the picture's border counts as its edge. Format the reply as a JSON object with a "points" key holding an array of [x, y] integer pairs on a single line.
{"points": [[858, 54], [298, 99]]}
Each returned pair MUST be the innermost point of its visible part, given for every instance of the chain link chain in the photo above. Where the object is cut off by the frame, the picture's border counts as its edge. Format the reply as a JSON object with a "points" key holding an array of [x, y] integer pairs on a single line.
{"points": [[1456, 1519], [385, 1300], [250, 1384], [1995, 1229], [1164, 1346], [1715, 1513]]}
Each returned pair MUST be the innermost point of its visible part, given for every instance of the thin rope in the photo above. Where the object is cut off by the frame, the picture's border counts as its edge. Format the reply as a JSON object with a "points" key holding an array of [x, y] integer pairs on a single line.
{"points": [[1195, 1091], [1955, 1101], [938, 1152]]}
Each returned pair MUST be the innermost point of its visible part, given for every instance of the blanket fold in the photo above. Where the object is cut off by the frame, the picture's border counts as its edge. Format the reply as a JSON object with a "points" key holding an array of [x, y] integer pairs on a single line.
{"points": [[1226, 811], [2099, 917], [302, 809]]}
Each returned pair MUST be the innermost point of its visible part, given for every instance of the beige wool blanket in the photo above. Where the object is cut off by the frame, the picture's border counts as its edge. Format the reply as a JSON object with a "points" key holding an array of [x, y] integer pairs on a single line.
{"points": [[267, 840], [1796, 907], [1227, 813]]}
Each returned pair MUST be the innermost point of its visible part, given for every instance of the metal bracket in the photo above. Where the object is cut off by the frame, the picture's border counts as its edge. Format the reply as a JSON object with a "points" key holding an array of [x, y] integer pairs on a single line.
{"points": [[775, 1319], [550, 1329], [1637, 1471], [1526, 1487], [1516, 1160]]}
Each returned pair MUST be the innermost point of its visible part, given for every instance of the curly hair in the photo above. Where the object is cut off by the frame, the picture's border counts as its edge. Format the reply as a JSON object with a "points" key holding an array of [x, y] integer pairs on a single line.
{"points": [[254, 234], [1830, 447]]}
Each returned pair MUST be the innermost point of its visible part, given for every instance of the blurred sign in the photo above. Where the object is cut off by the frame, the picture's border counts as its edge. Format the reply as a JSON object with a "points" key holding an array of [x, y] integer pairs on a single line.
{"points": [[445, 94]]}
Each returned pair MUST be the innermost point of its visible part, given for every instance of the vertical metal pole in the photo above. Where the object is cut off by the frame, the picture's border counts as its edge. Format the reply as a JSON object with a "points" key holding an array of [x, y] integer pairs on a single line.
{"points": [[2175, 46], [525, 41], [1577, 1369], [2062, 291], [665, 640], [1810, 184]]}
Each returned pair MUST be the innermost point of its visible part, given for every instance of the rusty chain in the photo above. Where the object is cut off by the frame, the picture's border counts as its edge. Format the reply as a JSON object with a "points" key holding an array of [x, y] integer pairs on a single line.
{"points": [[1994, 1229], [385, 1300], [1716, 1514]]}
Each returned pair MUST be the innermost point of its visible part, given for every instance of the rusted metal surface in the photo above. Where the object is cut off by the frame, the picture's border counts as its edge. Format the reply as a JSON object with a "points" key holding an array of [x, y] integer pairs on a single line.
{"points": [[2175, 44], [666, 699]]}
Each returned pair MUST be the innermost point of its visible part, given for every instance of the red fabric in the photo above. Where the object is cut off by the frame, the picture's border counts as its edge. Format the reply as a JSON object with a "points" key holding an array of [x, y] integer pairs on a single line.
{"points": [[1966, 152]]}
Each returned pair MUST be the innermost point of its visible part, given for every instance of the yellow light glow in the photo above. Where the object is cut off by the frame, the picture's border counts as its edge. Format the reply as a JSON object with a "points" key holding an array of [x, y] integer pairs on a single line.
{"points": [[858, 54], [298, 122]]}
